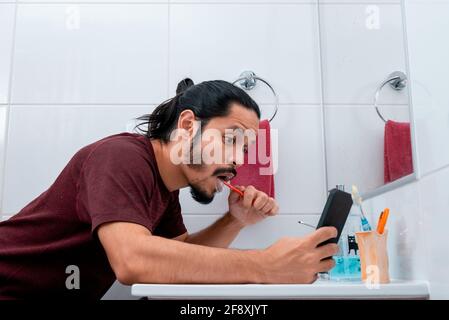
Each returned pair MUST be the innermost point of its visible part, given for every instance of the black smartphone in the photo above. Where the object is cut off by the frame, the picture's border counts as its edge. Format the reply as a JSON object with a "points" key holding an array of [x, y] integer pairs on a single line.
{"points": [[335, 212]]}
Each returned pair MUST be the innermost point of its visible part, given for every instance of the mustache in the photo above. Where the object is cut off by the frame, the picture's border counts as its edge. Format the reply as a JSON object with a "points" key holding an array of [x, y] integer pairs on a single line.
{"points": [[225, 170]]}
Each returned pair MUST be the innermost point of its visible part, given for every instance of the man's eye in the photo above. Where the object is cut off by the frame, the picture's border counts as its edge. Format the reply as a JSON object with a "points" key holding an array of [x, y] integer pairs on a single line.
{"points": [[229, 140]]}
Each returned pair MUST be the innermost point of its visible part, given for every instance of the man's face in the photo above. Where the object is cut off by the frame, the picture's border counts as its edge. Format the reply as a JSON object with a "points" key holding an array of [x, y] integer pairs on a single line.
{"points": [[218, 150]]}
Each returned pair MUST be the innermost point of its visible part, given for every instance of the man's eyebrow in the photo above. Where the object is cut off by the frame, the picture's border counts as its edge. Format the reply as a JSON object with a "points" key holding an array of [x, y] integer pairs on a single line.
{"points": [[234, 127], [240, 129]]}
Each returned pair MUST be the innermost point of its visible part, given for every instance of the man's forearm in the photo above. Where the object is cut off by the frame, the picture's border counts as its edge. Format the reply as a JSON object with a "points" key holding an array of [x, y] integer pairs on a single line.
{"points": [[161, 260], [220, 234]]}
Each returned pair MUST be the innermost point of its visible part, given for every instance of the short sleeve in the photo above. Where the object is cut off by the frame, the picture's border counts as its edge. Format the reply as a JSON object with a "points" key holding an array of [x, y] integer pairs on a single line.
{"points": [[115, 184], [172, 223]]}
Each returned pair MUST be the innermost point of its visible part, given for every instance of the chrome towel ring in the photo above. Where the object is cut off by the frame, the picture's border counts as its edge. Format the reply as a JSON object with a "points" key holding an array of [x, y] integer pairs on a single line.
{"points": [[397, 81], [248, 80]]}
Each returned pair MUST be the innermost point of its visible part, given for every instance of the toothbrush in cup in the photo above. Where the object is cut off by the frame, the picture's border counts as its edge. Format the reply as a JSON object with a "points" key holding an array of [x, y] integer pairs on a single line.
{"points": [[358, 201]]}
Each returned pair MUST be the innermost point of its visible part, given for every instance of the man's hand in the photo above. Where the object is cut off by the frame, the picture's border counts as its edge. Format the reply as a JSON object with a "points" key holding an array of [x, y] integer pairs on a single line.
{"points": [[298, 260], [253, 207]]}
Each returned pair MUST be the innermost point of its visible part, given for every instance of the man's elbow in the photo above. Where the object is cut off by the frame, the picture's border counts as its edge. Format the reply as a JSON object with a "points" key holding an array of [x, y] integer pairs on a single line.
{"points": [[126, 273], [130, 270]]}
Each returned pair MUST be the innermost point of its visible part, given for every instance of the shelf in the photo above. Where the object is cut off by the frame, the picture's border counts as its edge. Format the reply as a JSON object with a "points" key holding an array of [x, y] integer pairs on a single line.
{"points": [[322, 289]]}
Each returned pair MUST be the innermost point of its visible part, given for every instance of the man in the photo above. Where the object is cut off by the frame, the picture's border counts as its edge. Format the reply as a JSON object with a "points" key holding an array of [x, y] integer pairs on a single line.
{"points": [[113, 212]]}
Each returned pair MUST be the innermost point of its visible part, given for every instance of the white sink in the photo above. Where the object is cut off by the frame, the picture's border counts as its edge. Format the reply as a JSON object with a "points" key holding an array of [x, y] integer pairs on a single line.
{"points": [[322, 289]]}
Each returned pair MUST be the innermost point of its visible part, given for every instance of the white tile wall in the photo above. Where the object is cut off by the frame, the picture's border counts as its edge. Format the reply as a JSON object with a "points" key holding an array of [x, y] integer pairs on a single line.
{"points": [[42, 139], [272, 229], [429, 67], [360, 51], [362, 43], [91, 54], [278, 42], [355, 144], [72, 70], [3, 121], [417, 223], [300, 180], [6, 41], [407, 237], [429, 70], [421, 209], [435, 210]]}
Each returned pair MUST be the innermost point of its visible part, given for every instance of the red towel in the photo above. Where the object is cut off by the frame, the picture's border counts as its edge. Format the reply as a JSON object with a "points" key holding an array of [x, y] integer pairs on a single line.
{"points": [[397, 151], [259, 173]]}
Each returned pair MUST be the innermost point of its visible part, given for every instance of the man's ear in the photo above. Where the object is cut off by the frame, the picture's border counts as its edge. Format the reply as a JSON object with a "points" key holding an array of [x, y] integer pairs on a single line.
{"points": [[186, 121]]}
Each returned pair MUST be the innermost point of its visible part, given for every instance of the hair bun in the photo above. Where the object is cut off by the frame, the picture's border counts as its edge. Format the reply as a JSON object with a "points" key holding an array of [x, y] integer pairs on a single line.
{"points": [[183, 85]]}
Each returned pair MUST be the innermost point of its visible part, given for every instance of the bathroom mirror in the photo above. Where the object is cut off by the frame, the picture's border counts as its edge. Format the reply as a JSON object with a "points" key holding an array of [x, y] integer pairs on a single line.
{"points": [[364, 62]]}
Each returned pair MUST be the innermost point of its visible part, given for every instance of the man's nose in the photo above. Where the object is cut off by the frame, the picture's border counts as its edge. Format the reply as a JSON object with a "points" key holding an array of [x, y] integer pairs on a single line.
{"points": [[235, 157], [236, 165]]}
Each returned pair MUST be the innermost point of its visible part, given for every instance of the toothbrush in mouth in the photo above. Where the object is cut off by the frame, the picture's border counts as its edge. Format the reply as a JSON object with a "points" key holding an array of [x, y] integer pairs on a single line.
{"points": [[230, 186]]}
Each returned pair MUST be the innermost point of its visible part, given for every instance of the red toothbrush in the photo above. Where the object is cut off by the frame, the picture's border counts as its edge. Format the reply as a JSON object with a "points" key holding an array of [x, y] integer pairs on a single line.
{"points": [[230, 186]]}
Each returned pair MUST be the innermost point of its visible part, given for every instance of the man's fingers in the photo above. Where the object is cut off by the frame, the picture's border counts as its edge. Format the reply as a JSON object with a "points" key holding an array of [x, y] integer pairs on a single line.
{"points": [[323, 234], [327, 251], [241, 188], [233, 196], [248, 196], [326, 265], [269, 205], [261, 201], [313, 279], [275, 210]]}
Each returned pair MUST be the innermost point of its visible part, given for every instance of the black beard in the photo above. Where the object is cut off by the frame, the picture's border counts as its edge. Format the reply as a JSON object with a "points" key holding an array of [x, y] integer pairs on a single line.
{"points": [[200, 196]]}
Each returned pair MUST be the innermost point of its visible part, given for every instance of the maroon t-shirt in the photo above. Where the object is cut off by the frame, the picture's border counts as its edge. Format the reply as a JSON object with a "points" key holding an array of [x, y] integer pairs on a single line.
{"points": [[114, 179]]}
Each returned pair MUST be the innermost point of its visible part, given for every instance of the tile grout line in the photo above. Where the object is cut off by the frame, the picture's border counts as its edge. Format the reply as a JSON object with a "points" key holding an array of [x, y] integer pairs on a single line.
{"points": [[323, 117], [413, 129], [423, 176], [422, 229], [8, 109]]}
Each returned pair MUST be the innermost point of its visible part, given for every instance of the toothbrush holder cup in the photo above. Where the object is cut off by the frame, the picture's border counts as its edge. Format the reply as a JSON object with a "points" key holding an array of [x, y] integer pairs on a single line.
{"points": [[373, 256]]}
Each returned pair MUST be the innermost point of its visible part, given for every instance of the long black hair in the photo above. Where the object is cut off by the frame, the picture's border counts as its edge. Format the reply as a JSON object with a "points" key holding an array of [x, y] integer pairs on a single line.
{"points": [[207, 100]]}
